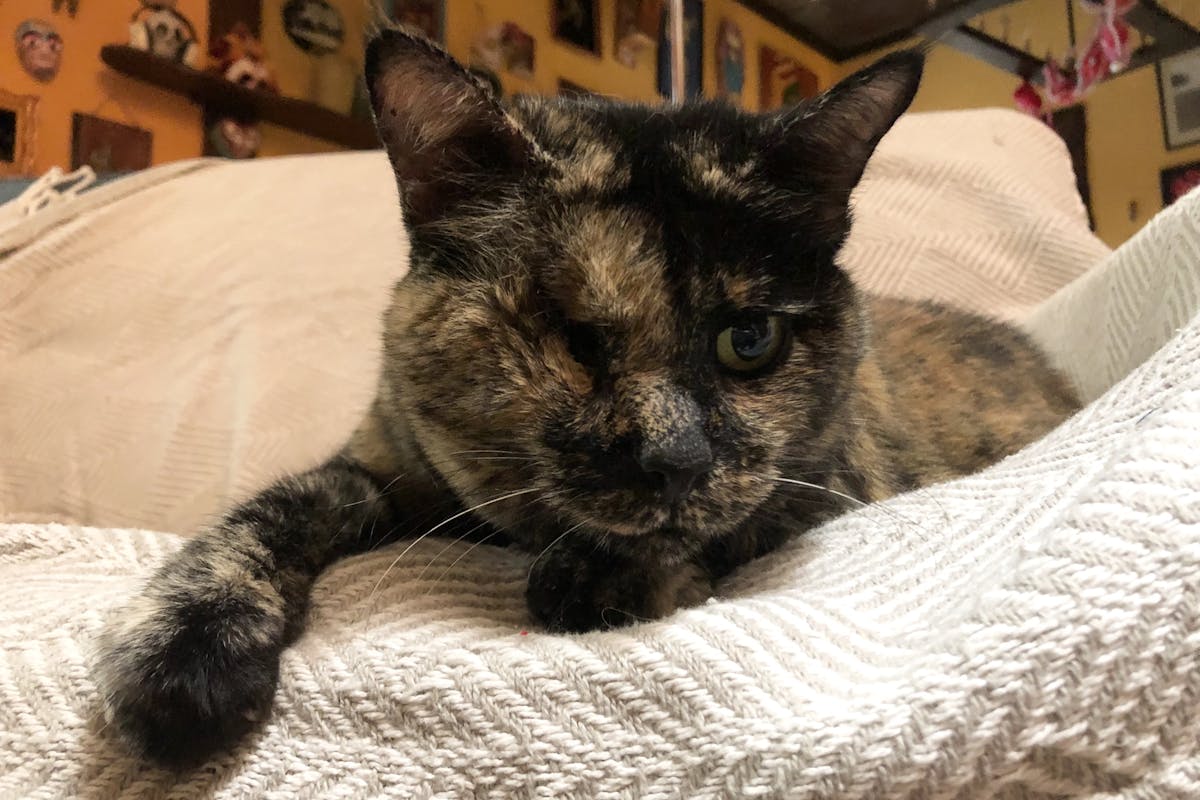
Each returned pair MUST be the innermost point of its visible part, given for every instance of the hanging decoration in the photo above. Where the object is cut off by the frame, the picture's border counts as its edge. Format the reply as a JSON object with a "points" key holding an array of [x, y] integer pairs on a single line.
{"points": [[240, 58], [39, 48], [731, 61], [315, 26], [158, 28], [1066, 83]]}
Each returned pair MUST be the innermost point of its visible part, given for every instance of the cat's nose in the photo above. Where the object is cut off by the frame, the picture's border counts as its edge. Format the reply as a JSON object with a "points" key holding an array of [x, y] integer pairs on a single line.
{"points": [[676, 462]]}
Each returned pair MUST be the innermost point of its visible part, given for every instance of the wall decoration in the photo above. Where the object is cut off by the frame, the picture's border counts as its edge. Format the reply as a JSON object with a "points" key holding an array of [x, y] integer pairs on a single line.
{"points": [[427, 16], [1178, 181], [108, 146], [39, 47], [314, 26], [519, 49], [71, 5], [159, 29], [731, 61], [636, 29], [505, 47], [18, 130], [693, 50], [233, 138], [1179, 98], [783, 81], [576, 22], [240, 58]]}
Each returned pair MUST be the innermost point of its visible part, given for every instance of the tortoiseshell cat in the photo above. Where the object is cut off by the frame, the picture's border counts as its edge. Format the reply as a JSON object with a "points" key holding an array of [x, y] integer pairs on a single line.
{"points": [[623, 343]]}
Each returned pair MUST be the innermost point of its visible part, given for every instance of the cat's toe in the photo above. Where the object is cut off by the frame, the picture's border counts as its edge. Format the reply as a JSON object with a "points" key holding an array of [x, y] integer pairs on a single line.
{"points": [[176, 687], [576, 593]]}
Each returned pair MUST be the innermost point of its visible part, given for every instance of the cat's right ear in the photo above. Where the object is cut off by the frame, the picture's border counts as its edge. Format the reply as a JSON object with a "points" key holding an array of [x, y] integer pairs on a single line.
{"points": [[446, 135]]}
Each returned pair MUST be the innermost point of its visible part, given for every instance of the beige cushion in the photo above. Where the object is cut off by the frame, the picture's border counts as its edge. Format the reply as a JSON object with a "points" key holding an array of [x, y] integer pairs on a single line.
{"points": [[171, 342]]}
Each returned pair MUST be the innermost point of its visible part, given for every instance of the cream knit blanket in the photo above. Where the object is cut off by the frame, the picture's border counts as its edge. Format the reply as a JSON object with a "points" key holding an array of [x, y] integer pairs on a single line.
{"points": [[1031, 631]]}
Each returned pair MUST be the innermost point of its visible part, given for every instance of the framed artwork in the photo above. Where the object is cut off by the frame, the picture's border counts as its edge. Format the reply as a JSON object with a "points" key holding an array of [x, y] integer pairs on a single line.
{"points": [[577, 22], [505, 47], [1179, 180], [1179, 98], [427, 16], [636, 29], [108, 146], [693, 50], [783, 81], [18, 128], [731, 61]]}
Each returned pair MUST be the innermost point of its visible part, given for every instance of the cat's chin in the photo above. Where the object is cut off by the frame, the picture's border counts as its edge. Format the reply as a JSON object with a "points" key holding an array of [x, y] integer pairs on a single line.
{"points": [[665, 522]]}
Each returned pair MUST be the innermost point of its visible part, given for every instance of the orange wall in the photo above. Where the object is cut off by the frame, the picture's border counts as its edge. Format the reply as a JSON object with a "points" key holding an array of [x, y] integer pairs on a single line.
{"points": [[553, 59], [756, 32], [86, 86]]}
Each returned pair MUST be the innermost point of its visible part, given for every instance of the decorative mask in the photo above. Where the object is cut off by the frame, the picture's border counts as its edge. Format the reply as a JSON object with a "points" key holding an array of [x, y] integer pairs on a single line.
{"points": [[314, 26], [39, 46]]}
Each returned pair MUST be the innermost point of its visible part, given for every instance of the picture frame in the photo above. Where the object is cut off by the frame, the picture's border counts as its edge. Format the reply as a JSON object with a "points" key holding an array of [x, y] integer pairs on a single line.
{"points": [[783, 81], [18, 134], [107, 146], [1178, 180], [577, 23], [1178, 79], [427, 16]]}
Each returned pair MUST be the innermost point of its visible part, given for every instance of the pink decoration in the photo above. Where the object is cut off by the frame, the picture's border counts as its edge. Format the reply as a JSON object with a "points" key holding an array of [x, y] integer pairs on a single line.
{"points": [[1106, 53]]}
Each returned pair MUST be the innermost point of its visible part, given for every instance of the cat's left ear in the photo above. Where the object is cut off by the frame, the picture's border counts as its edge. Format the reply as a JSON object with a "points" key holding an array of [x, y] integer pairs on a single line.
{"points": [[445, 132], [830, 140]]}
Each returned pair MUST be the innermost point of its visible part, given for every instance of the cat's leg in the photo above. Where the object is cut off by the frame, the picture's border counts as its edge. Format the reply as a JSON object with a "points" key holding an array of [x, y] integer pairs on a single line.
{"points": [[583, 584], [192, 662]]}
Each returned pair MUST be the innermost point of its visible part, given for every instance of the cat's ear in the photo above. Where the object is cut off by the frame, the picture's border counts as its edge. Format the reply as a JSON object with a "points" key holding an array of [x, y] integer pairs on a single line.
{"points": [[830, 140], [446, 134]]}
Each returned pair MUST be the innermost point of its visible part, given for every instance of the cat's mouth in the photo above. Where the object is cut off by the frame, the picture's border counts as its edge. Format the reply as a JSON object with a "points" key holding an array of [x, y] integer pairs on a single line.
{"points": [[638, 514]]}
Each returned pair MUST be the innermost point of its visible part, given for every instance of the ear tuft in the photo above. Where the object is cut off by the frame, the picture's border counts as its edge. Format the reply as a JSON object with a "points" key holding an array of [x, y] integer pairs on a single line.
{"points": [[443, 129], [828, 142]]}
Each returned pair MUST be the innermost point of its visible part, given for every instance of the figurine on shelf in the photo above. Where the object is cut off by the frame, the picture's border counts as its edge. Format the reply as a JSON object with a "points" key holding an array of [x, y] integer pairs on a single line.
{"points": [[158, 28], [240, 58]]}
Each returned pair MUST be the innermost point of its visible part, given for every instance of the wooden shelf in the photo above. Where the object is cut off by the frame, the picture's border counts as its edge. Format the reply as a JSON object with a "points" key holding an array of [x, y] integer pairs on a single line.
{"points": [[217, 94]]}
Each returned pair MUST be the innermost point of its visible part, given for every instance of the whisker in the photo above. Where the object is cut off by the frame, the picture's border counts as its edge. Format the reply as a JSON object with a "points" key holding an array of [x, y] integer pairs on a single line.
{"points": [[546, 549], [860, 503], [820, 488], [448, 520], [461, 556]]}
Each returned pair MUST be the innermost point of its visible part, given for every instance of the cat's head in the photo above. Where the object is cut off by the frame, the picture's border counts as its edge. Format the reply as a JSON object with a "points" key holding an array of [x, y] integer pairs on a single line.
{"points": [[632, 312]]}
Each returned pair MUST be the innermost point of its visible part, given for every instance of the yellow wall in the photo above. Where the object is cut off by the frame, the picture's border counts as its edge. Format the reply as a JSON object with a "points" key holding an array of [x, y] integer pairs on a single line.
{"points": [[553, 59], [1125, 148], [756, 32], [85, 85], [603, 73]]}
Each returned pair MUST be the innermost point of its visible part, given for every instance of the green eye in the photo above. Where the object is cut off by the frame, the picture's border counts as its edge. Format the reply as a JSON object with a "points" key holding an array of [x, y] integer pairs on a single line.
{"points": [[751, 343]]}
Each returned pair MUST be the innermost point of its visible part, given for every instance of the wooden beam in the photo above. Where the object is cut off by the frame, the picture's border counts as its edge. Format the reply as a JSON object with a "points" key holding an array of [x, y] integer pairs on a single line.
{"points": [[956, 17], [991, 50], [1171, 34]]}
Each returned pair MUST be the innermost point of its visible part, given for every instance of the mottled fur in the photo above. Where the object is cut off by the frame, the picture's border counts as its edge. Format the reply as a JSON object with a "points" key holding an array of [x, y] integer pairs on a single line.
{"points": [[550, 366]]}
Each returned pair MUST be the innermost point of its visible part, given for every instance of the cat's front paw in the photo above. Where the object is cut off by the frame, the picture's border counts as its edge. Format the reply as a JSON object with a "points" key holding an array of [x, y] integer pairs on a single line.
{"points": [[575, 587], [191, 664]]}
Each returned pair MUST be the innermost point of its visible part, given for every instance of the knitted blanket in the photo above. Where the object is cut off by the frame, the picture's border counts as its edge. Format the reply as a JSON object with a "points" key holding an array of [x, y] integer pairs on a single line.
{"points": [[1030, 631]]}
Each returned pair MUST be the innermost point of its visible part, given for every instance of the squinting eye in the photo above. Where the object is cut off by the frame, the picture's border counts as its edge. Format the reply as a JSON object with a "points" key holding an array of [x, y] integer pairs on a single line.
{"points": [[752, 343]]}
